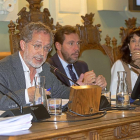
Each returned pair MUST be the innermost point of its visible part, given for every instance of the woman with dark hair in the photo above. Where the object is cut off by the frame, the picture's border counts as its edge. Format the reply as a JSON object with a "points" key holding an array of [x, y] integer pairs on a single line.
{"points": [[130, 51]]}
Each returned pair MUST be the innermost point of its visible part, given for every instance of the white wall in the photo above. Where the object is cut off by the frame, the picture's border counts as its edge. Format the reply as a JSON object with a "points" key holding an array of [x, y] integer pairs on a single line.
{"points": [[67, 11], [111, 21]]}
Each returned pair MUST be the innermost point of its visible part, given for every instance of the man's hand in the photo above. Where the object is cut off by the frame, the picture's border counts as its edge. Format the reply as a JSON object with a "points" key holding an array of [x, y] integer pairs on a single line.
{"points": [[89, 77], [100, 81], [80, 80], [31, 93]]}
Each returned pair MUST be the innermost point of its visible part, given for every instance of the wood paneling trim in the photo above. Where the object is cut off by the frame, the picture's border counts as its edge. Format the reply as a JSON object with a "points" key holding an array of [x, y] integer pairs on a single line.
{"points": [[4, 54]]}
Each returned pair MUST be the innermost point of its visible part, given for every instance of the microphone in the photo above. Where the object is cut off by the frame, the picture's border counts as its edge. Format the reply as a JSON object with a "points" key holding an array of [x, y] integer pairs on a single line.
{"points": [[39, 112], [56, 69]]}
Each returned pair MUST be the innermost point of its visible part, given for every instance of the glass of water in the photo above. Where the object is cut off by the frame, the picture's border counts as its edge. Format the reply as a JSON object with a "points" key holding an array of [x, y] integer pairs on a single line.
{"points": [[107, 94], [55, 106]]}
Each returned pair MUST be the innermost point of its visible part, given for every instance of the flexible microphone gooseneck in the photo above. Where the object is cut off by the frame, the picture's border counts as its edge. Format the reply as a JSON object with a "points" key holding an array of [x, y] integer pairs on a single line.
{"points": [[20, 105], [39, 112], [56, 69]]}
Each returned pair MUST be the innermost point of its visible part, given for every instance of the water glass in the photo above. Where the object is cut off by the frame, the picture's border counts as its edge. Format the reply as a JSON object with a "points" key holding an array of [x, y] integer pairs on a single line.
{"points": [[122, 99], [107, 94], [55, 106]]}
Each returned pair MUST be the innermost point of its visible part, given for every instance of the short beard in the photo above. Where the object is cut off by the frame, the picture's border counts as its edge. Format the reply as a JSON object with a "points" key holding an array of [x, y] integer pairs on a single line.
{"points": [[68, 59], [29, 62]]}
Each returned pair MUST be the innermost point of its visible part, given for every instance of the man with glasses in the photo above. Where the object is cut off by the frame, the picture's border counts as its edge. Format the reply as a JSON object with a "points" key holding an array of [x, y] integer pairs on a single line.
{"points": [[18, 71], [67, 45]]}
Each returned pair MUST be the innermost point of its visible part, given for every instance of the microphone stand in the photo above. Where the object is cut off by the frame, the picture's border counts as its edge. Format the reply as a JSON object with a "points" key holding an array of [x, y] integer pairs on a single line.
{"points": [[56, 69]]}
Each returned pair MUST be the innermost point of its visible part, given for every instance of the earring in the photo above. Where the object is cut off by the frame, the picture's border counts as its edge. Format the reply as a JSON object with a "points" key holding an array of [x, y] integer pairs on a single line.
{"points": [[130, 54]]}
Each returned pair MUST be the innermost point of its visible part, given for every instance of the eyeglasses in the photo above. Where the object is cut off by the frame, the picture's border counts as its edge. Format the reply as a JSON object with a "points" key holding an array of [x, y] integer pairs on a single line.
{"points": [[46, 48]]}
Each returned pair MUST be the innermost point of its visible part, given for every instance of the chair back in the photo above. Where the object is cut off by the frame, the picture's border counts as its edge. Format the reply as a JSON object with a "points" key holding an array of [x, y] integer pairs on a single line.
{"points": [[98, 57], [98, 62], [130, 25], [24, 18]]}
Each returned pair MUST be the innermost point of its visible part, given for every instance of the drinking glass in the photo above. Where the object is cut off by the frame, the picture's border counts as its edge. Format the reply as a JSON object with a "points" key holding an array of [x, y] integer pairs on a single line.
{"points": [[55, 106]]}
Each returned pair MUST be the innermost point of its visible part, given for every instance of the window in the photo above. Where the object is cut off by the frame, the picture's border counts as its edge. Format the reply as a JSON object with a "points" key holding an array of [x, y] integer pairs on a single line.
{"points": [[134, 5]]}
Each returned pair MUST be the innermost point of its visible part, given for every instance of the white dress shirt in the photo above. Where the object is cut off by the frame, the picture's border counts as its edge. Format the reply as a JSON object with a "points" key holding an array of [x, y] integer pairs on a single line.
{"points": [[118, 66], [64, 64], [27, 77]]}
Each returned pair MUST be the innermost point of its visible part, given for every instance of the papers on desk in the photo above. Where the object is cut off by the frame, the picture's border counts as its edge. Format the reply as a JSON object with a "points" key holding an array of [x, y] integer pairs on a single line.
{"points": [[16, 123], [64, 102]]}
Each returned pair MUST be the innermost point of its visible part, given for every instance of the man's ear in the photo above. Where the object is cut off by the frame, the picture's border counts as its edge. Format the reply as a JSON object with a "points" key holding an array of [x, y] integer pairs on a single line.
{"points": [[22, 45], [58, 46]]}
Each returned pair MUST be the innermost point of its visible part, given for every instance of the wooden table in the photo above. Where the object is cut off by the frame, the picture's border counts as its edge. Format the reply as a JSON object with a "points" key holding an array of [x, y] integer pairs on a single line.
{"points": [[114, 125]]}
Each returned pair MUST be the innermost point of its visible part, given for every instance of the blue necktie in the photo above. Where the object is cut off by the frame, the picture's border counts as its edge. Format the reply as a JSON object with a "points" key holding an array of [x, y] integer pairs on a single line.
{"points": [[72, 74]]}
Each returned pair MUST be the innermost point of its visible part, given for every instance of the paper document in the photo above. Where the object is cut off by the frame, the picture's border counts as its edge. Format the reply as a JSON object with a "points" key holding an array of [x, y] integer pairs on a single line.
{"points": [[16, 123], [64, 102], [1, 112]]}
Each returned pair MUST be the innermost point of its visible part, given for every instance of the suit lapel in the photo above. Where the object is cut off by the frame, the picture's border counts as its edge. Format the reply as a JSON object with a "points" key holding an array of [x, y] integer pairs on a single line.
{"points": [[18, 70], [58, 64]]}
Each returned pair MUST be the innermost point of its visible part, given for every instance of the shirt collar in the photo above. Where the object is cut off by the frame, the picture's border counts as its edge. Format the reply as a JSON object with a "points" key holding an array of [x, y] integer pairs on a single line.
{"points": [[25, 68], [64, 63]]}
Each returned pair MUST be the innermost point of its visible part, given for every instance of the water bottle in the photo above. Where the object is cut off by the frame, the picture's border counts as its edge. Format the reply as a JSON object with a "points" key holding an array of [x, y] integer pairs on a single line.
{"points": [[122, 95]]}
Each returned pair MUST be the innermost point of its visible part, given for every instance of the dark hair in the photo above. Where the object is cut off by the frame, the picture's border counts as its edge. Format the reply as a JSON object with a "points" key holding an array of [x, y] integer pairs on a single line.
{"points": [[59, 35], [125, 46], [29, 29]]}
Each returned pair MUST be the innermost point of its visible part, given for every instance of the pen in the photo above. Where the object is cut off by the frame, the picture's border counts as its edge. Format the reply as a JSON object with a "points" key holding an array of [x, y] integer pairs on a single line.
{"points": [[48, 89]]}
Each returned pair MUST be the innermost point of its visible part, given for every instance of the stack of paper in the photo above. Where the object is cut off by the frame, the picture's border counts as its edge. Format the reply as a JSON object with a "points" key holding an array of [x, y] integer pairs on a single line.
{"points": [[16, 123]]}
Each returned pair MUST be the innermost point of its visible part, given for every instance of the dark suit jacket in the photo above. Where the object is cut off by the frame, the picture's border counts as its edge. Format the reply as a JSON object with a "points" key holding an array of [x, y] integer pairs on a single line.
{"points": [[80, 67], [12, 77]]}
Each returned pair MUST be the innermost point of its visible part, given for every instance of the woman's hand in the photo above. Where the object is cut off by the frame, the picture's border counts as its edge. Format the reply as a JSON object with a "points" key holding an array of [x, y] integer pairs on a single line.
{"points": [[135, 55], [136, 60]]}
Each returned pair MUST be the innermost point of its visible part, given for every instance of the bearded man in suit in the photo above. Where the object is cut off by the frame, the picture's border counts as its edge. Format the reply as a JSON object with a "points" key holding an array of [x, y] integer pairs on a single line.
{"points": [[67, 44]]}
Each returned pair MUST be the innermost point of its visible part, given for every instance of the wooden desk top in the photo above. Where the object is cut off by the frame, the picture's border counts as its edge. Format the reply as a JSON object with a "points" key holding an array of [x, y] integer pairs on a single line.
{"points": [[110, 122]]}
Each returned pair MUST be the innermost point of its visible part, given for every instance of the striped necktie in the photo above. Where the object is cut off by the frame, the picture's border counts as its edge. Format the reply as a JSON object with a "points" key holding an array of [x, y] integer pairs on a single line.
{"points": [[71, 72]]}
